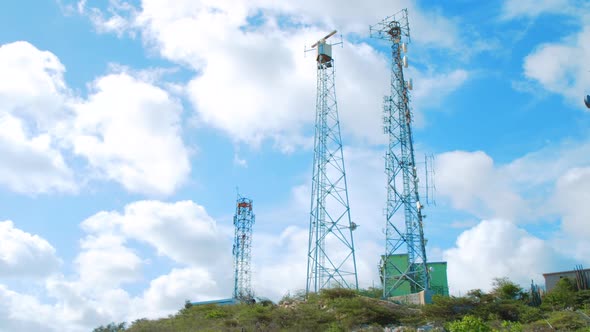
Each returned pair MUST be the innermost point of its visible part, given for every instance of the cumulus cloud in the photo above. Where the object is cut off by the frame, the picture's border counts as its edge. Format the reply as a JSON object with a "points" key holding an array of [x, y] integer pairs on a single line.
{"points": [[497, 248], [32, 85], [473, 183], [31, 164], [105, 261], [21, 312], [129, 131], [561, 67], [32, 96], [167, 293], [110, 258], [518, 190], [25, 255], [182, 231], [252, 80], [558, 66], [540, 186], [570, 198]]}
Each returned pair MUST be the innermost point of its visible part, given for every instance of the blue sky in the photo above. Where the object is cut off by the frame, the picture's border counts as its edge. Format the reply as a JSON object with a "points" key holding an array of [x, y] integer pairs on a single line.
{"points": [[125, 130]]}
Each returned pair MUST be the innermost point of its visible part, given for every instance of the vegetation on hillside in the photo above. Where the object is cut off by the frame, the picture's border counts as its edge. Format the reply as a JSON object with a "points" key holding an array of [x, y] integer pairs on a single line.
{"points": [[506, 308]]}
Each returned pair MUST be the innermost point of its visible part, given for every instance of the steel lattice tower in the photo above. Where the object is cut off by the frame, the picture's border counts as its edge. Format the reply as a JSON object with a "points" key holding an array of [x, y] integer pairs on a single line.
{"points": [[331, 258], [243, 221], [400, 167]]}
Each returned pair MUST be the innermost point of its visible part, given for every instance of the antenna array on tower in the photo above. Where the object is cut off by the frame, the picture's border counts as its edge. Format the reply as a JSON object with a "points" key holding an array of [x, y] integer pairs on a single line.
{"points": [[401, 272]]}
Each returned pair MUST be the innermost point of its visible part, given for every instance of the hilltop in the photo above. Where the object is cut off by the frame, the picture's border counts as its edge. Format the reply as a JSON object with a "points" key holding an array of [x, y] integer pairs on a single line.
{"points": [[506, 308]]}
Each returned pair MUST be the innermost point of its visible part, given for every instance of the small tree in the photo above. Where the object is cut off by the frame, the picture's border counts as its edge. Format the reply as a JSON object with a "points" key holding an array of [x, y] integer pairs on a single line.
{"points": [[505, 289], [112, 327], [562, 295]]}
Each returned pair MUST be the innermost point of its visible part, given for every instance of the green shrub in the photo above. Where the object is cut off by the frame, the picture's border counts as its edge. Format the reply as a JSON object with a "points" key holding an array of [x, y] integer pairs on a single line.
{"points": [[562, 296], [511, 327], [445, 309], [582, 299], [529, 314], [468, 324], [215, 314], [567, 321], [334, 293]]}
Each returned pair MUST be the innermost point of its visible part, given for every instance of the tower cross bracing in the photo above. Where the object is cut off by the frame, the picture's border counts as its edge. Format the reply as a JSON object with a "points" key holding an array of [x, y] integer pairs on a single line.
{"points": [[243, 222], [404, 218], [331, 260]]}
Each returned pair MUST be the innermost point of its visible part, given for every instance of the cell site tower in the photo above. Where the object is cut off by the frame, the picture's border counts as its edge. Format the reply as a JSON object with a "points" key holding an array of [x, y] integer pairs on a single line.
{"points": [[331, 258], [243, 221], [402, 234]]}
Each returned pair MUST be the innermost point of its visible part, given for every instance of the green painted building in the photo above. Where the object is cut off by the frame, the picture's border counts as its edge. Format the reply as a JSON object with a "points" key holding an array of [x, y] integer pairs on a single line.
{"points": [[437, 270]]}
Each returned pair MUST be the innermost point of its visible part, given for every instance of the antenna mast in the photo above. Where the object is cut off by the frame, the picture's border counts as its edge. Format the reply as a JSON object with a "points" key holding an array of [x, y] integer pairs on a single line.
{"points": [[331, 258], [243, 221], [401, 276]]}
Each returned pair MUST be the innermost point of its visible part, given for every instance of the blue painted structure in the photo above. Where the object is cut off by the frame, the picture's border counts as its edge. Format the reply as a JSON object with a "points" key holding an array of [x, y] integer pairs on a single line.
{"points": [[218, 302], [406, 233], [243, 222], [331, 258]]}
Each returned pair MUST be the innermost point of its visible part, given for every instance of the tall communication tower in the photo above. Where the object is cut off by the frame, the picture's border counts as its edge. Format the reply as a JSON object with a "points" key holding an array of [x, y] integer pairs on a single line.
{"points": [[243, 221], [402, 234], [331, 258]]}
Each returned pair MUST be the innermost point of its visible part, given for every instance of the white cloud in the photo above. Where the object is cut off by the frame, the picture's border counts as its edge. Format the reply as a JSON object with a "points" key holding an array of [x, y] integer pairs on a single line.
{"points": [[31, 163], [255, 87], [429, 26], [182, 231], [109, 257], [512, 9], [32, 85], [570, 201], [519, 190], [473, 183], [105, 262], [538, 187], [558, 66], [129, 131], [280, 262], [32, 96], [253, 82], [562, 67], [431, 88], [168, 293], [25, 255], [549, 163], [21, 312], [495, 249]]}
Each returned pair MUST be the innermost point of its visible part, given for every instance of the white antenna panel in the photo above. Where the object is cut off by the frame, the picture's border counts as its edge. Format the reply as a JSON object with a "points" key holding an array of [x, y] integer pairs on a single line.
{"points": [[405, 61], [405, 47]]}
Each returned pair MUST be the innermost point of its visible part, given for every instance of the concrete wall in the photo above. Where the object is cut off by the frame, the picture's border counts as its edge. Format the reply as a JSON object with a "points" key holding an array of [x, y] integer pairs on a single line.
{"points": [[551, 279]]}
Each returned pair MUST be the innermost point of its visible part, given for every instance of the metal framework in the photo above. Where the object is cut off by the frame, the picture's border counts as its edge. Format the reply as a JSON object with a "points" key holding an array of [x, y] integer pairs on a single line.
{"points": [[400, 167], [331, 258], [243, 221]]}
